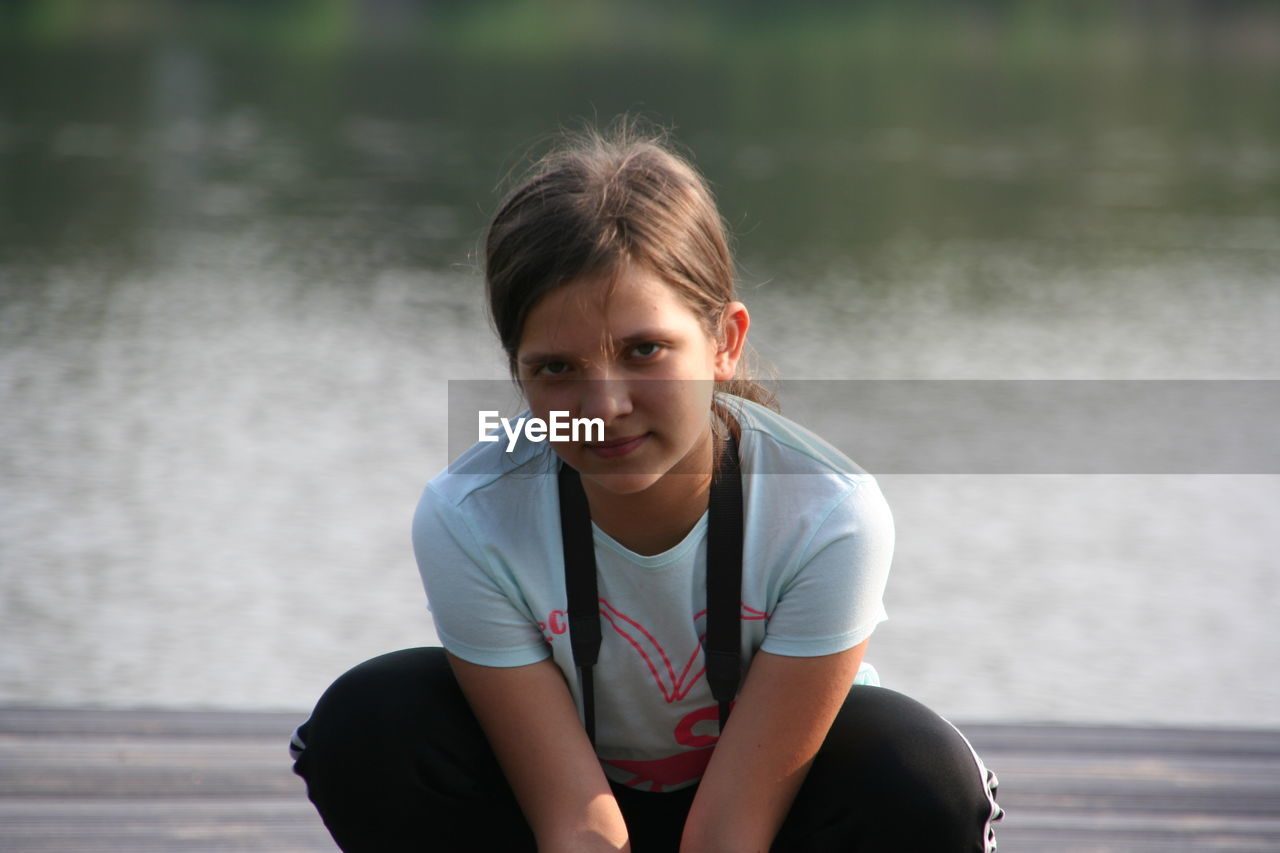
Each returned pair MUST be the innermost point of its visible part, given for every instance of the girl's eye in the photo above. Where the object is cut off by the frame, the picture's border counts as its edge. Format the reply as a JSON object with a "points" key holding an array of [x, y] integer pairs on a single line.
{"points": [[552, 368], [646, 350]]}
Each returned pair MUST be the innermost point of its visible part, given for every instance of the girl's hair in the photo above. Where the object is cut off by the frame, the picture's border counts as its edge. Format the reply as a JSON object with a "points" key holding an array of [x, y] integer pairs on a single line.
{"points": [[595, 204]]}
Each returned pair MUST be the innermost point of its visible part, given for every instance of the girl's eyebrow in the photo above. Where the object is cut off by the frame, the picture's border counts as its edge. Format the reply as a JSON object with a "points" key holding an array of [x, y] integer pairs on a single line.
{"points": [[646, 335], [638, 337], [541, 357]]}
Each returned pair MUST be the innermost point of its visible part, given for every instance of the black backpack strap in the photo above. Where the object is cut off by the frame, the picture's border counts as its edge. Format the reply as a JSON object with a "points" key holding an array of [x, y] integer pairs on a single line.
{"points": [[724, 580], [580, 583], [724, 583]]}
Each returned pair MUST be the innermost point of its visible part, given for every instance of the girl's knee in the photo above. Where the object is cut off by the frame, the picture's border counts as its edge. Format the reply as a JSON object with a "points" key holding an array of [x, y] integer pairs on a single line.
{"points": [[393, 755], [373, 711], [911, 769]]}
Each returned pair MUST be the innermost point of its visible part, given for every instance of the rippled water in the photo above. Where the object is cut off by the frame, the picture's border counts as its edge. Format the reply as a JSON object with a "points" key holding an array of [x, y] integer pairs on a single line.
{"points": [[232, 293]]}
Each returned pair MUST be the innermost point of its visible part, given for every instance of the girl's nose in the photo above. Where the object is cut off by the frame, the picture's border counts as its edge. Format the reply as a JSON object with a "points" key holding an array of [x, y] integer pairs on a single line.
{"points": [[607, 399]]}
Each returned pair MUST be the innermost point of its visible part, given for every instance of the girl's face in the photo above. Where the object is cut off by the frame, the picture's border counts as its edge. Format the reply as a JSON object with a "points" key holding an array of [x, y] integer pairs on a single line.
{"points": [[635, 355]]}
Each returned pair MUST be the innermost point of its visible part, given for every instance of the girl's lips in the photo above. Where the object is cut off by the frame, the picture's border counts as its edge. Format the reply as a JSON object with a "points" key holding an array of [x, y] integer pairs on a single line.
{"points": [[616, 447]]}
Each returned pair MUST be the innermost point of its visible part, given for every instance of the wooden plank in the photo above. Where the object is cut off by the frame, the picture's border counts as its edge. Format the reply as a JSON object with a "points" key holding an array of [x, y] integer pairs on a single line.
{"points": [[144, 781], [81, 721], [210, 782], [1060, 737], [143, 825], [1116, 789]]}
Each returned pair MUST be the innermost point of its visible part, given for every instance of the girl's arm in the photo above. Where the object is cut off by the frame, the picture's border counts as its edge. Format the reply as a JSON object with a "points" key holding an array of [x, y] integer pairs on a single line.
{"points": [[532, 724], [779, 721]]}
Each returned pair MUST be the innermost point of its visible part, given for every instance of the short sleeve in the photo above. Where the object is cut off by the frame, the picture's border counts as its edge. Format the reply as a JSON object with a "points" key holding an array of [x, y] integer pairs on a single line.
{"points": [[478, 610], [834, 599]]}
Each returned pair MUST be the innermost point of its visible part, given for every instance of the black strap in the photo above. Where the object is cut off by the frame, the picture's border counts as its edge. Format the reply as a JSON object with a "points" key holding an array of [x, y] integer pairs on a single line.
{"points": [[580, 581], [724, 583]]}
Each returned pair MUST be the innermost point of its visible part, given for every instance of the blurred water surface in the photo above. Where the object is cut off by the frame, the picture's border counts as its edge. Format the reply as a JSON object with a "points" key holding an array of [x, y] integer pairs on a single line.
{"points": [[235, 279]]}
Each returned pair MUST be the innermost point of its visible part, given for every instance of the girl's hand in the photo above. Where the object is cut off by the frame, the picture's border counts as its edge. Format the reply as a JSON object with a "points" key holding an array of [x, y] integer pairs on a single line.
{"points": [[532, 724], [779, 722]]}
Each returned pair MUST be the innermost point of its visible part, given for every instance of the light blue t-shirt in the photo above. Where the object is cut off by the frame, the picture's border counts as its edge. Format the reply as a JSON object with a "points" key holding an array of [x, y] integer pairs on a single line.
{"points": [[818, 540]]}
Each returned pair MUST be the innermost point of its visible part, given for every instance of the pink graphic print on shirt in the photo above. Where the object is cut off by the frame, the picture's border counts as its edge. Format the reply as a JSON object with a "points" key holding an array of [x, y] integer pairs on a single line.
{"points": [[688, 764]]}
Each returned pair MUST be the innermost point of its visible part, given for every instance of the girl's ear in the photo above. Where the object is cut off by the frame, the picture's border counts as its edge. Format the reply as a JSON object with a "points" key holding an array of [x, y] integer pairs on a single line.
{"points": [[734, 323]]}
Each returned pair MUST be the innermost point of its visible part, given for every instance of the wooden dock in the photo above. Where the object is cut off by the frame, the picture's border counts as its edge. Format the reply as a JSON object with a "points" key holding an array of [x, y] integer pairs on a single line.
{"points": [[142, 781]]}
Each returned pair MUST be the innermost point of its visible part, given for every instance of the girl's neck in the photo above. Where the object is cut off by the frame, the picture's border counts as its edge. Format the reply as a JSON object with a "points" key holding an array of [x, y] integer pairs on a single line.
{"points": [[656, 519], [660, 517]]}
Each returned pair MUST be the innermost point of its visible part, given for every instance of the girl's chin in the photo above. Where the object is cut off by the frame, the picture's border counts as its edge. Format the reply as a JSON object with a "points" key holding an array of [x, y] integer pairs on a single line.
{"points": [[624, 483], [632, 472]]}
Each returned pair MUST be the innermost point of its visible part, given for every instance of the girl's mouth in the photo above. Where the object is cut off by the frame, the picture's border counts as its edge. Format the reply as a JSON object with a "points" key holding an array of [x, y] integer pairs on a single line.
{"points": [[616, 447]]}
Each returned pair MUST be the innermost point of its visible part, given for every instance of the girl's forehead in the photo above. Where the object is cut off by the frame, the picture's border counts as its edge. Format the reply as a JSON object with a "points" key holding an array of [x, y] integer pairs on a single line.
{"points": [[591, 311]]}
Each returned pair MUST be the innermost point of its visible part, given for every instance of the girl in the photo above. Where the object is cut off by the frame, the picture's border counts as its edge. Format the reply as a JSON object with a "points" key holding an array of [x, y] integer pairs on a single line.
{"points": [[611, 288]]}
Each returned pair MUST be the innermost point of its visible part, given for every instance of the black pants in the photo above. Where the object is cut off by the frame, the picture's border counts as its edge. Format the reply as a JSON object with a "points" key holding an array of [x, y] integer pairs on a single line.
{"points": [[394, 760]]}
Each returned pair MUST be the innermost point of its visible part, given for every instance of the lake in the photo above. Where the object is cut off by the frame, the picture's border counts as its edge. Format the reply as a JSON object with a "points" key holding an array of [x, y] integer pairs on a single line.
{"points": [[237, 276]]}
